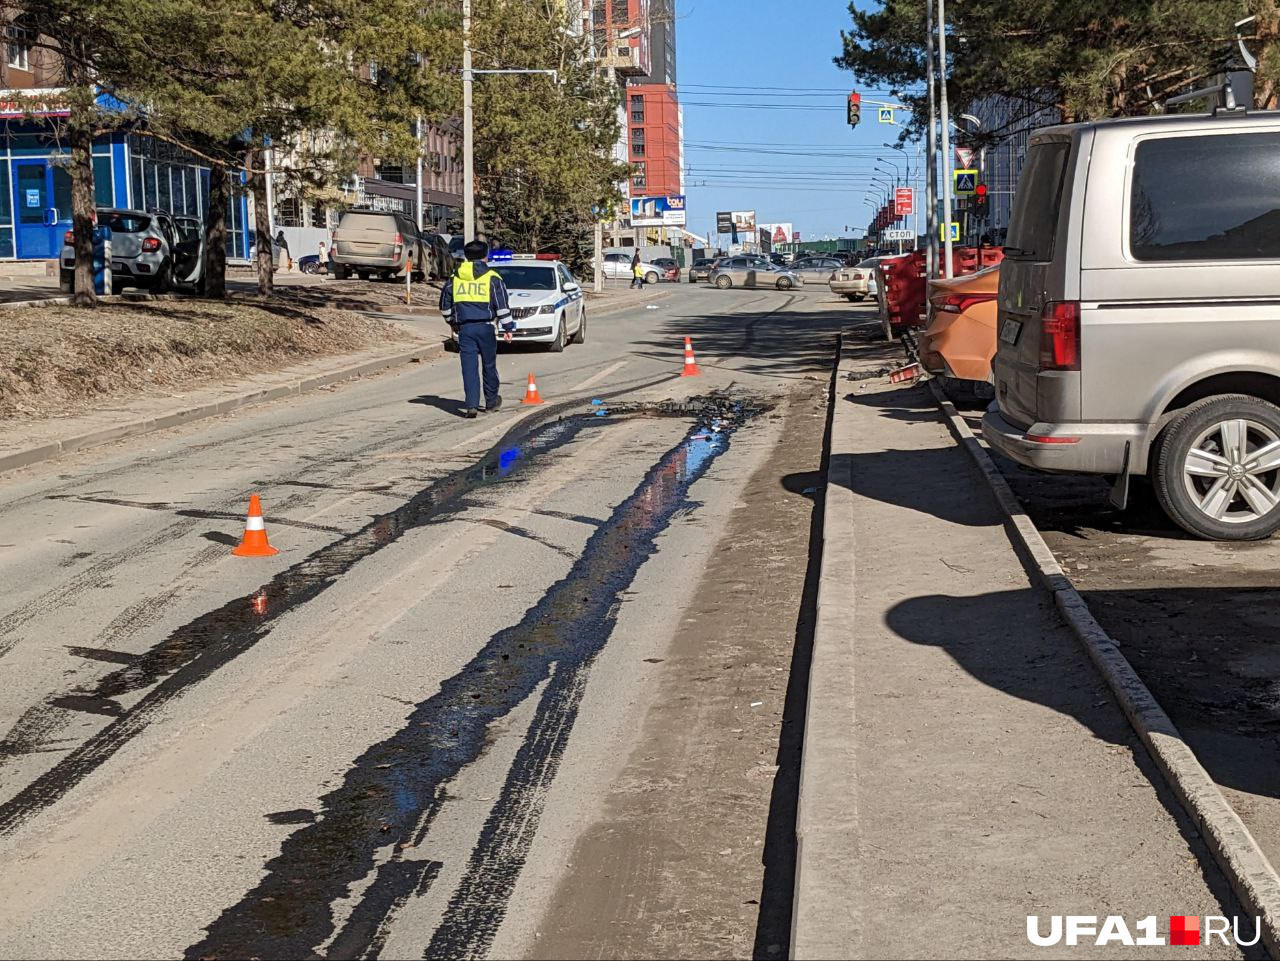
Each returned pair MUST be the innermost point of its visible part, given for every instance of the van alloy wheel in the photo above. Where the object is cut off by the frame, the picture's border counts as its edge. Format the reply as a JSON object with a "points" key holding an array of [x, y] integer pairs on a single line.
{"points": [[1217, 468]]}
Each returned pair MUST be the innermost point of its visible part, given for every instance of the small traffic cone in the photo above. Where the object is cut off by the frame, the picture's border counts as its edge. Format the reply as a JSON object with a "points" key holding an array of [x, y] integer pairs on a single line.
{"points": [[690, 366], [254, 543], [531, 395]]}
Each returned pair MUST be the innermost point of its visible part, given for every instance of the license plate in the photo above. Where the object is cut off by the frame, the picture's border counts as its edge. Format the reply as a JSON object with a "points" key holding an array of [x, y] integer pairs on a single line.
{"points": [[1010, 330]]}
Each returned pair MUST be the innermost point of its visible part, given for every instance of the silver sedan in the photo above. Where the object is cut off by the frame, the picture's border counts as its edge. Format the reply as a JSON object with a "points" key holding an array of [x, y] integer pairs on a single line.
{"points": [[744, 272], [819, 269]]}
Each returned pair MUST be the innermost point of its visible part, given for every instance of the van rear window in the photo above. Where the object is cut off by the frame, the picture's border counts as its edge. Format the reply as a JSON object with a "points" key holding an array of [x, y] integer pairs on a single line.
{"points": [[1034, 221], [125, 223], [1213, 197]]}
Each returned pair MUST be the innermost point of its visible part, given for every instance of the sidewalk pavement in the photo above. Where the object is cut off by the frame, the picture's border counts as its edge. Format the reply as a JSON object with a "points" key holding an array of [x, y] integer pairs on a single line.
{"points": [[964, 764]]}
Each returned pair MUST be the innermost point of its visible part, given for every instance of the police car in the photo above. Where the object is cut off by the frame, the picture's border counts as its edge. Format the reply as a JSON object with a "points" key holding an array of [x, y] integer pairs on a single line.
{"points": [[546, 301]]}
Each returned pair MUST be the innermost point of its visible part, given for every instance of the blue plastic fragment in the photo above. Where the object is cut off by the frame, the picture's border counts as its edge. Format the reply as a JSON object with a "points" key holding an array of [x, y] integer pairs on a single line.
{"points": [[597, 402]]}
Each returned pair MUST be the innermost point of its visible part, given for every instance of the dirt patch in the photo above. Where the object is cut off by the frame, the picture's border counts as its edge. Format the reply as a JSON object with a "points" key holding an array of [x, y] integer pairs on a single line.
{"points": [[651, 879], [60, 361]]}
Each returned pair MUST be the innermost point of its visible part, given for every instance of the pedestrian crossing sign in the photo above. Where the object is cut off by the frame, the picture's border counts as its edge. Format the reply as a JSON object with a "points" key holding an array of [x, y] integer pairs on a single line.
{"points": [[966, 182], [884, 114], [955, 232]]}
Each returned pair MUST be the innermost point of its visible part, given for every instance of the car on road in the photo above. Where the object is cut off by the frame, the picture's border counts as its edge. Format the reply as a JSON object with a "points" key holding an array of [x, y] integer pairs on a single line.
{"points": [[546, 301], [440, 259], [961, 338], [371, 242], [1139, 320], [670, 268], [617, 266], [857, 282], [752, 272], [700, 269], [815, 269], [149, 250]]}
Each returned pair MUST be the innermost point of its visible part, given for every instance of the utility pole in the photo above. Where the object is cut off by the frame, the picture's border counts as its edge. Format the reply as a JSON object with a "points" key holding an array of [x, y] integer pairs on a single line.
{"points": [[417, 129], [468, 133], [948, 267], [931, 176]]}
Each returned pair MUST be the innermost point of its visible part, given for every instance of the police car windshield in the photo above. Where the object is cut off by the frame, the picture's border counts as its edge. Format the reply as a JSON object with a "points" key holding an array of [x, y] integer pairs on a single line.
{"points": [[521, 277]]}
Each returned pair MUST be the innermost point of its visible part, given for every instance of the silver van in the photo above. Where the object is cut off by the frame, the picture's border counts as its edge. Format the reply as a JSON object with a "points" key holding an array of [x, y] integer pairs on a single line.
{"points": [[1139, 314]]}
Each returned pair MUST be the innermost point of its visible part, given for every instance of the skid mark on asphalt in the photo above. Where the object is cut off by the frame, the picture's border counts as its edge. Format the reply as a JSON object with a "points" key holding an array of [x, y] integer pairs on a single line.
{"points": [[393, 793], [273, 519], [197, 649]]}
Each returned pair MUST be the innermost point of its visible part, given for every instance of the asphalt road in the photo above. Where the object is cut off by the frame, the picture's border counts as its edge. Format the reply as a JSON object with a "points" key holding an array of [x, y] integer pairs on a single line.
{"points": [[387, 739]]}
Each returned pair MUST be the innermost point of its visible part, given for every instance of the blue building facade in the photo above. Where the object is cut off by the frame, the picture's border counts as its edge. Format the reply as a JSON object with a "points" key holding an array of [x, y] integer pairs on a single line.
{"points": [[130, 170]]}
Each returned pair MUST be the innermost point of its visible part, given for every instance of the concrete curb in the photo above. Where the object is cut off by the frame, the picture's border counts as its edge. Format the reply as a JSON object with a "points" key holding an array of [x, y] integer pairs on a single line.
{"points": [[34, 455], [615, 308], [1237, 853], [825, 872]]}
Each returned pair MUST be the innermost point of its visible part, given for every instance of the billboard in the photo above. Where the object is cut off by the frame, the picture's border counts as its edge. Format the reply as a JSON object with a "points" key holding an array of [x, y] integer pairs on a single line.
{"points": [[904, 201], [778, 233], [724, 221], [658, 211], [744, 221]]}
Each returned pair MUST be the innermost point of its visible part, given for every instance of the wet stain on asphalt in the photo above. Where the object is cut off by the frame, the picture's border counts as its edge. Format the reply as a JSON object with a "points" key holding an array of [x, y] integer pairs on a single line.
{"points": [[391, 796]]}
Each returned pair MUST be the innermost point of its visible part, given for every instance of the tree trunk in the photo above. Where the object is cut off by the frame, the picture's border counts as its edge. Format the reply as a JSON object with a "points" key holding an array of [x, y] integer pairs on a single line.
{"points": [[80, 133], [215, 234], [257, 161]]}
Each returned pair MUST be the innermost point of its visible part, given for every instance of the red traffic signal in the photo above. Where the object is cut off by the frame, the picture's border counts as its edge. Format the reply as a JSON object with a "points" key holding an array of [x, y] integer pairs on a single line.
{"points": [[980, 198], [854, 108]]}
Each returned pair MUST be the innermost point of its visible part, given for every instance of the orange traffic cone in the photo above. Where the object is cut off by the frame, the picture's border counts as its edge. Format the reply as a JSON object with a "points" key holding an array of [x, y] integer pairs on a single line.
{"points": [[254, 543], [531, 395], [690, 366]]}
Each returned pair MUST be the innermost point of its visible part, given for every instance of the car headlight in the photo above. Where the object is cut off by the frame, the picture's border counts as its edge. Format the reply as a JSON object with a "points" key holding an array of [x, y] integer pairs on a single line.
{"points": [[547, 309]]}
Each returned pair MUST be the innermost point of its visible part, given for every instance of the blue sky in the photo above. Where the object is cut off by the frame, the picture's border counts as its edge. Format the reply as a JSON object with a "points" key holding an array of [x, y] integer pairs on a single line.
{"points": [[786, 153]]}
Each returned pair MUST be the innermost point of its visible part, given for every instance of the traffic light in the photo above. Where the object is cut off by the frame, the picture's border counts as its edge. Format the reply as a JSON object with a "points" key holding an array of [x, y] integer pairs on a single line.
{"points": [[980, 200], [855, 109]]}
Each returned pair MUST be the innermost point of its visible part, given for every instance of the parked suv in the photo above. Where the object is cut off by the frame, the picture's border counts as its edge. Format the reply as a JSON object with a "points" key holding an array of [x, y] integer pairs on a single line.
{"points": [[1139, 314], [368, 242]]}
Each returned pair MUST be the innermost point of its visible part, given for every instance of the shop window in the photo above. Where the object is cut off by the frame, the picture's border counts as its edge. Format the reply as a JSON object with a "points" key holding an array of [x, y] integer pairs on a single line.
{"points": [[103, 189]]}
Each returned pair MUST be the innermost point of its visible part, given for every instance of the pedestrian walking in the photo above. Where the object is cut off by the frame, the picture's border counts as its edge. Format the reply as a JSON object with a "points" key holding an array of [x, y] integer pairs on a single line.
{"points": [[637, 271], [283, 244], [324, 259], [474, 303]]}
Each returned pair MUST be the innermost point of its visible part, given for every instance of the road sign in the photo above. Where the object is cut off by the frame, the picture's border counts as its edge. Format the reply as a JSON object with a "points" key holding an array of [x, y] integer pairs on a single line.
{"points": [[898, 233], [904, 202], [884, 114], [955, 232], [966, 181], [964, 156]]}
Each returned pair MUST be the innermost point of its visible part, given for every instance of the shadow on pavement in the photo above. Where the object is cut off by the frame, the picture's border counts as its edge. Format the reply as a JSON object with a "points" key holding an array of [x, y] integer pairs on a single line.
{"points": [[450, 405]]}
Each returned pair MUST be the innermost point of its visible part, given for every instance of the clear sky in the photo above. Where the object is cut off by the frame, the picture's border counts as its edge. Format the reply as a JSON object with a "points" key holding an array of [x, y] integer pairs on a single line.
{"points": [[785, 152]]}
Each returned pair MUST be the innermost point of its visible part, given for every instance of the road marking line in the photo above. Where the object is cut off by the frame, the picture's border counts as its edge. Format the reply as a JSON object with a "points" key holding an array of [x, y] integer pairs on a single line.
{"points": [[597, 377]]}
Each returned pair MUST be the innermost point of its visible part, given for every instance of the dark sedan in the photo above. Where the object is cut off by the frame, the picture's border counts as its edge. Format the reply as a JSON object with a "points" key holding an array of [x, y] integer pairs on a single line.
{"points": [[701, 269]]}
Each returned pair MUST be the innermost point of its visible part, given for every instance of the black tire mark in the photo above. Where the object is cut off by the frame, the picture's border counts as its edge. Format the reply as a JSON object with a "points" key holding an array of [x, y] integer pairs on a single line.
{"points": [[394, 791]]}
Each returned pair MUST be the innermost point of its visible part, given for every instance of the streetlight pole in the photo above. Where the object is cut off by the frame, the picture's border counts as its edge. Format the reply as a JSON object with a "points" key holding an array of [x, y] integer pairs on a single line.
{"points": [[931, 178], [948, 267], [468, 133]]}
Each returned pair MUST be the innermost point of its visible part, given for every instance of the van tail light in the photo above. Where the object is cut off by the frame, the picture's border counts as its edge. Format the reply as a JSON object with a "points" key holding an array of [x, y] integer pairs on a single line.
{"points": [[69, 238], [1060, 335], [150, 245], [399, 242]]}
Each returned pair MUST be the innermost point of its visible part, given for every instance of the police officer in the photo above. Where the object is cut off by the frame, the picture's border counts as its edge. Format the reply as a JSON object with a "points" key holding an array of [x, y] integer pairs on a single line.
{"points": [[474, 302]]}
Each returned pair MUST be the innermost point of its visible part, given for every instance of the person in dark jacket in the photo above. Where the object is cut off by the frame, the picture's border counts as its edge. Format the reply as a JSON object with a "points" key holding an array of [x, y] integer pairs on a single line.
{"points": [[474, 303]]}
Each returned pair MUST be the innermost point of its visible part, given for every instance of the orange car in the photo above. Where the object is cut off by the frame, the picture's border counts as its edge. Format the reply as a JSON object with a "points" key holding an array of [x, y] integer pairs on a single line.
{"points": [[961, 339]]}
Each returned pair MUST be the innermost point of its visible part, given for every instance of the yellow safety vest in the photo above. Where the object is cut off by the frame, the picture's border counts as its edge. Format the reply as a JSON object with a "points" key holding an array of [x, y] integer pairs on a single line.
{"points": [[470, 289]]}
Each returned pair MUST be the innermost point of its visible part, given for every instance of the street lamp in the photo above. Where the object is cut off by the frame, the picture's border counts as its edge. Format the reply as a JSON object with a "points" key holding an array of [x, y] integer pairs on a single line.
{"points": [[897, 174]]}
